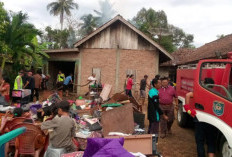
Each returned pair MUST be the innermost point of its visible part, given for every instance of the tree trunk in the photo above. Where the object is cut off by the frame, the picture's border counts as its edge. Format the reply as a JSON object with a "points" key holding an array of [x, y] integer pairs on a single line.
{"points": [[3, 63], [61, 22], [61, 19]]}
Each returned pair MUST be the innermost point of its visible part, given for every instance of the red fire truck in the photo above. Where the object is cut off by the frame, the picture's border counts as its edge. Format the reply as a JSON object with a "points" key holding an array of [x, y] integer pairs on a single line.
{"points": [[212, 102]]}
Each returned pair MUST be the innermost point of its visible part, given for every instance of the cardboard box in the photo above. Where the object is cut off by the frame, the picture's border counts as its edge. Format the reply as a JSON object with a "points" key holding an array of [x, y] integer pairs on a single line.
{"points": [[137, 143]]}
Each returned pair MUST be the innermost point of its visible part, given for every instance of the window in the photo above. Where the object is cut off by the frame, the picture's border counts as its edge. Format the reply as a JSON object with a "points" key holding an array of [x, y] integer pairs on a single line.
{"points": [[217, 77], [97, 71]]}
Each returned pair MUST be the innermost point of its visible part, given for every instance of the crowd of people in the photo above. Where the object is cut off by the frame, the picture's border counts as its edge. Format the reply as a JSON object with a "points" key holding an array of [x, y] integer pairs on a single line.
{"points": [[161, 99], [33, 82], [57, 125]]}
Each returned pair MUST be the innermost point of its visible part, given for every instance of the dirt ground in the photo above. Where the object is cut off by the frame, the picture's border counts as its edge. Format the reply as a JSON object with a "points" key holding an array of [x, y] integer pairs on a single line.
{"points": [[180, 144]]}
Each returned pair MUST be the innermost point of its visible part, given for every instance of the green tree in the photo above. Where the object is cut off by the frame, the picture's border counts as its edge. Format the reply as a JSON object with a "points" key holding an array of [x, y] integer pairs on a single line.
{"points": [[220, 36], [105, 13], [155, 25], [19, 40], [89, 24], [61, 7], [57, 38], [3, 25]]}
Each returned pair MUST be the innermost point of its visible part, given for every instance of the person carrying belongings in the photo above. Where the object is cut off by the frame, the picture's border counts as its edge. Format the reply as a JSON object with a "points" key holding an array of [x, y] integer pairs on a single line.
{"points": [[60, 79], [61, 132]]}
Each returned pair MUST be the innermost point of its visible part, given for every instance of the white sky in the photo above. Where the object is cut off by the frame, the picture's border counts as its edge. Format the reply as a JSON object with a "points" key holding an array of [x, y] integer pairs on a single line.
{"points": [[205, 19]]}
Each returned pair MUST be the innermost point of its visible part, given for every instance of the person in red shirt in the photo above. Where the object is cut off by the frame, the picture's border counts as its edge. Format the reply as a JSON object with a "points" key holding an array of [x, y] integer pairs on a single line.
{"points": [[5, 88], [129, 85], [167, 95]]}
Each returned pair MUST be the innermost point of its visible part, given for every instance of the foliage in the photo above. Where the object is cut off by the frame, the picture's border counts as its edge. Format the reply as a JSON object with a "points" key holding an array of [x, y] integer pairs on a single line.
{"points": [[61, 7], [3, 24], [220, 36], [57, 38], [105, 13], [155, 25], [20, 40], [89, 24]]}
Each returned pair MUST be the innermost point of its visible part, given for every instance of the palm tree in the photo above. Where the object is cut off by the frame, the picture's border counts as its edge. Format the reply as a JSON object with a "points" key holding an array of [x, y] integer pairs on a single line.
{"points": [[88, 25], [19, 38], [61, 7]]}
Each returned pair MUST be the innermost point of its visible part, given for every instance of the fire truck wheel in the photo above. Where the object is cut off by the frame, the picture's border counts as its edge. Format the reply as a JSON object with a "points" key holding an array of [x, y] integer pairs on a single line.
{"points": [[225, 149], [182, 117]]}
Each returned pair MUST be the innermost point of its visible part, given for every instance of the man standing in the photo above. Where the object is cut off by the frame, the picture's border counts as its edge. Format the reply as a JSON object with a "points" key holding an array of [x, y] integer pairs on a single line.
{"points": [[60, 79], [18, 84], [143, 85], [166, 96], [67, 82], [92, 79], [38, 80], [30, 84]]}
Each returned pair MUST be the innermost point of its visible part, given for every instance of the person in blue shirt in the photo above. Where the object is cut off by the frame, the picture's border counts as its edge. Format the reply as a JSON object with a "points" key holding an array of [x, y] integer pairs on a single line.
{"points": [[67, 82], [153, 110]]}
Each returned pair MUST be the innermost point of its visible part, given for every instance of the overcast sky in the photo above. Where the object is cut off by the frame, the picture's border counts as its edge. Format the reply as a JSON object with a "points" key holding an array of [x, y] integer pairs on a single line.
{"points": [[205, 19]]}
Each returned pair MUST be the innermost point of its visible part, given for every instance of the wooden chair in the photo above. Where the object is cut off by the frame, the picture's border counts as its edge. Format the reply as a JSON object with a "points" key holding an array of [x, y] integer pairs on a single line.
{"points": [[31, 142]]}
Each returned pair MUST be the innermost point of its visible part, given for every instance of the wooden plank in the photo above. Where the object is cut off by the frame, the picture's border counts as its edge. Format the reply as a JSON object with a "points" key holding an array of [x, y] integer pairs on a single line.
{"points": [[119, 119], [106, 92]]}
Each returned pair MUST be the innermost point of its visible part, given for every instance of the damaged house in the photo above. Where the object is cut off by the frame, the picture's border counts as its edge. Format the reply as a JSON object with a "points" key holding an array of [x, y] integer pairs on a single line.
{"points": [[112, 51]]}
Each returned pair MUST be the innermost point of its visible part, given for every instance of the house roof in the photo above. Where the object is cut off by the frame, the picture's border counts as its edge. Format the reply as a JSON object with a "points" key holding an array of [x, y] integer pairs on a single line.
{"points": [[120, 18], [179, 57], [207, 51], [62, 50]]}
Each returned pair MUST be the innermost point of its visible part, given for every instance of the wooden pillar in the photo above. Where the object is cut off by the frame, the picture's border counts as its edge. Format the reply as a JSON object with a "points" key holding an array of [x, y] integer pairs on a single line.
{"points": [[79, 73], [75, 75], [117, 69], [157, 62]]}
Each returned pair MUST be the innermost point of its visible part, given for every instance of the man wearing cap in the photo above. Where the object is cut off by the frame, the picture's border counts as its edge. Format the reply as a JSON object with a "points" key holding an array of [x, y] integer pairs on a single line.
{"points": [[18, 84]]}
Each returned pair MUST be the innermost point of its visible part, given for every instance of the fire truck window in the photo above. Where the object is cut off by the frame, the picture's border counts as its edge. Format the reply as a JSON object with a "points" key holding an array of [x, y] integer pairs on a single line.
{"points": [[230, 82], [212, 78]]}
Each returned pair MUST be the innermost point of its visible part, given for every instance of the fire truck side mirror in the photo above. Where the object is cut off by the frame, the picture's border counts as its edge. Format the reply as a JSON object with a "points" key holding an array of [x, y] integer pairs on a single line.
{"points": [[229, 55]]}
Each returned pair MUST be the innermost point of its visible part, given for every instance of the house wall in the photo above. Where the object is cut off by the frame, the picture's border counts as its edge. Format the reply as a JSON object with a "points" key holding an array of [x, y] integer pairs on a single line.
{"points": [[115, 50], [64, 56], [118, 35], [142, 61]]}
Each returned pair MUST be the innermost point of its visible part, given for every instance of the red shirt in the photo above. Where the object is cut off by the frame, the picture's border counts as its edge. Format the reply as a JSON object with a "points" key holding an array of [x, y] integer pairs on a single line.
{"points": [[166, 95], [129, 84]]}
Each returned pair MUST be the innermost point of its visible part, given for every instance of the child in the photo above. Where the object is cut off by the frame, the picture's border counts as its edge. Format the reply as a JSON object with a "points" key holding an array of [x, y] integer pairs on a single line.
{"points": [[63, 129], [154, 111]]}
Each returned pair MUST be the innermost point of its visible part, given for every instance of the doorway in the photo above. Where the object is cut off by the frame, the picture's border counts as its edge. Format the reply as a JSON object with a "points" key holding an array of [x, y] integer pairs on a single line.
{"points": [[66, 67]]}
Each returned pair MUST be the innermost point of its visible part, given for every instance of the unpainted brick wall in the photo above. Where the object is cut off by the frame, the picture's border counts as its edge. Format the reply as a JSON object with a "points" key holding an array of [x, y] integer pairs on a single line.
{"points": [[144, 62]]}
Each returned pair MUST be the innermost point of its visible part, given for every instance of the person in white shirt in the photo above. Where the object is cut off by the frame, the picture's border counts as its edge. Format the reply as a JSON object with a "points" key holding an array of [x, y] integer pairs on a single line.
{"points": [[92, 79]]}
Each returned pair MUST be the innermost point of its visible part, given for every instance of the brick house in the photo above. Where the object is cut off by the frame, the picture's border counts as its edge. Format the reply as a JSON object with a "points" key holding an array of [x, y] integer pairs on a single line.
{"points": [[113, 50], [214, 49]]}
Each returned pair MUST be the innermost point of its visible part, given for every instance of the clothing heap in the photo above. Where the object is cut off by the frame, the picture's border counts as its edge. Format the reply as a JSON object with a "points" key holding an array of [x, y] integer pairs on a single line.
{"points": [[97, 123]]}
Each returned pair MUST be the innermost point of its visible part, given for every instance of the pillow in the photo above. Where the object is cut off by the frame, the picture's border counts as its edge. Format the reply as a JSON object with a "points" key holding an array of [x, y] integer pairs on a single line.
{"points": [[95, 144], [113, 149]]}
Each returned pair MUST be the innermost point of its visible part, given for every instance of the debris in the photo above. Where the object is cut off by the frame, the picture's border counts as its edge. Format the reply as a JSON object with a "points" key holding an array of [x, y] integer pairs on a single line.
{"points": [[119, 119]]}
